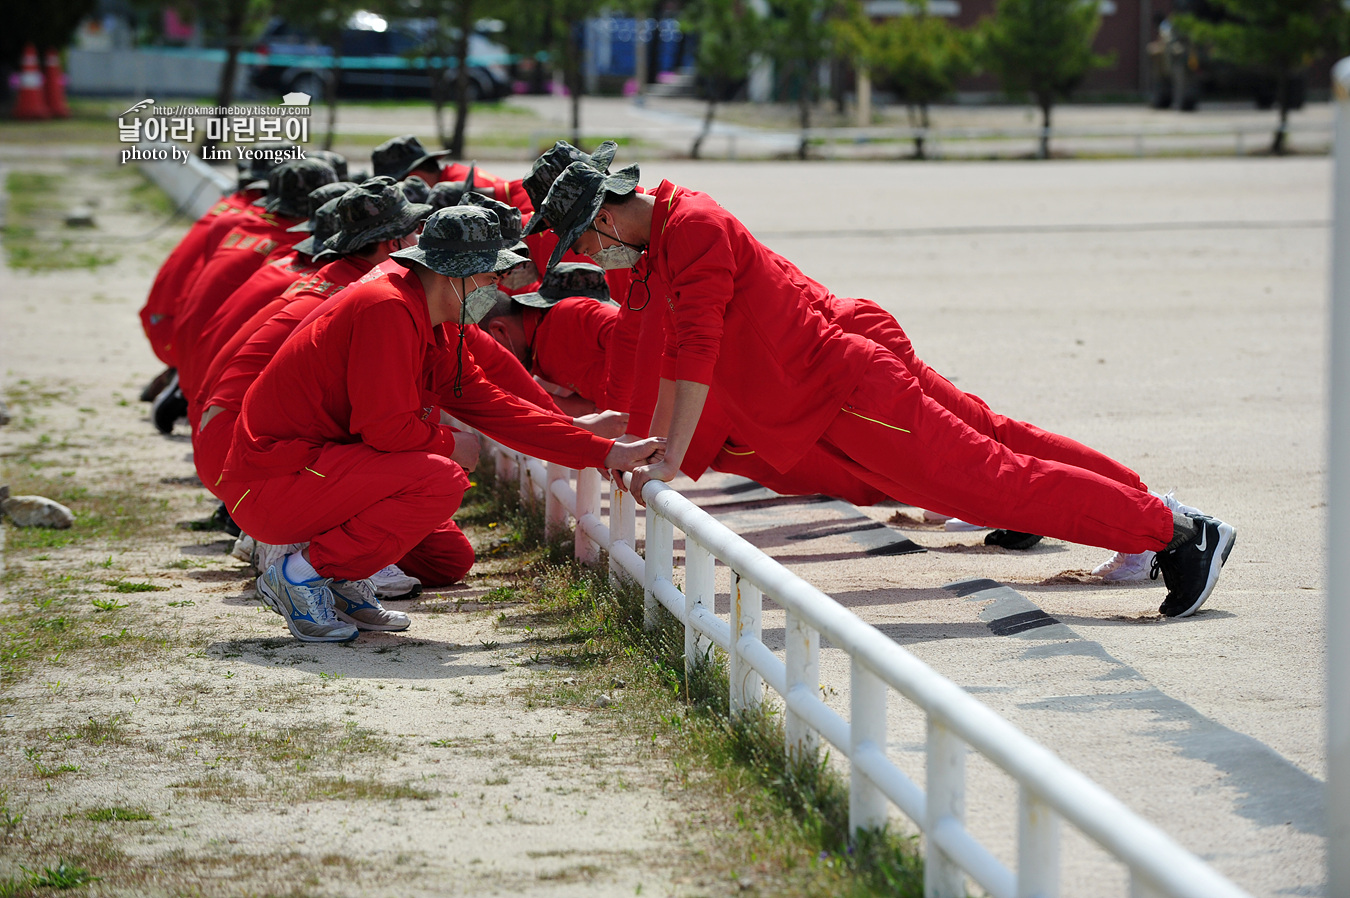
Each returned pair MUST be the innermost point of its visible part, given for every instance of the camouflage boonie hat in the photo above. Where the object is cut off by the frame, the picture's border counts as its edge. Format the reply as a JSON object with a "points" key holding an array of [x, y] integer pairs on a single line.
{"points": [[317, 198], [375, 211], [565, 280], [400, 155], [289, 186], [415, 190], [324, 224], [252, 173], [553, 163], [337, 160], [461, 241], [509, 216], [577, 196], [450, 193]]}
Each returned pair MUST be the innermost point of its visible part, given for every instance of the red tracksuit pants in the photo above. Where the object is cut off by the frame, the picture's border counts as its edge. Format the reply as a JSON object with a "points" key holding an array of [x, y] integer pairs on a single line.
{"points": [[817, 473], [872, 321], [359, 509], [894, 435]]}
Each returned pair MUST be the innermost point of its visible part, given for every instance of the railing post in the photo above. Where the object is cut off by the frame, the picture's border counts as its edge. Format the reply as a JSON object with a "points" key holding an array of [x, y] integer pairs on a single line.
{"points": [[942, 878], [747, 607], [622, 527], [526, 485], [555, 514], [659, 557], [867, 805], [1338, 504], [802, 660], [699, 570], [588, 503], [1037, 847]]}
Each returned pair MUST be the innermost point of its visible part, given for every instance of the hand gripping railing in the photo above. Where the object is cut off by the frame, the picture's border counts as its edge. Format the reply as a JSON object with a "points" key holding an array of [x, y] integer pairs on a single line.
{"points": [[1049, 790]]}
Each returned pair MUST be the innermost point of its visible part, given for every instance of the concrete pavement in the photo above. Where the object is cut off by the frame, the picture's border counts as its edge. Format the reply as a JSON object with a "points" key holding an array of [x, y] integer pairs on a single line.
{"points": [[1171, 314]]}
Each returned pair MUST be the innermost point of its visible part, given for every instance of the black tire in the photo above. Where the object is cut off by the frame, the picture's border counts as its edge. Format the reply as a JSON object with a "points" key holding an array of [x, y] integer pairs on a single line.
{"points": [[309, 83]]}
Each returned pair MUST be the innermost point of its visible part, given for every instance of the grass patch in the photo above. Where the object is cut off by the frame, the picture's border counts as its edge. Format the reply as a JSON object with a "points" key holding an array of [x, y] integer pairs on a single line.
{"points": [[36, 204], [118, 814], [786, 818], [126, 586], [343, 789]]}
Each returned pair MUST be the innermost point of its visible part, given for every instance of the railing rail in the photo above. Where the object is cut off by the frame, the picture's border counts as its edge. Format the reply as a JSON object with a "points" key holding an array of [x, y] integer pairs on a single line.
{"points": [[1049, 791]]}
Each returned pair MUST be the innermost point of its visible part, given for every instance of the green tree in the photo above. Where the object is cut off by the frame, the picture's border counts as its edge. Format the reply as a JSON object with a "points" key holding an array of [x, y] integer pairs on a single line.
{"points": [[555, 29], [233, 23], [1044, 48], [1280, 38], [47, 23], [325, 20], [921, 57], [730, 34], [799, 41]]}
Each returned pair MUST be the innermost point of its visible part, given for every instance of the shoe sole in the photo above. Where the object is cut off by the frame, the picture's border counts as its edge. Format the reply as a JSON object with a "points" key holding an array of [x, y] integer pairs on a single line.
{"points": [[275, 604], [410, 594], [1227, 537], [382, 628]]}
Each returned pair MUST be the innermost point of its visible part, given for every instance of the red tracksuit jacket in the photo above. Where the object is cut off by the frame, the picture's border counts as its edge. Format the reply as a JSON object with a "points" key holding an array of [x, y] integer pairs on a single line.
{"points": [[241, 252], [175, 274], [785, 369], [360, 371]]}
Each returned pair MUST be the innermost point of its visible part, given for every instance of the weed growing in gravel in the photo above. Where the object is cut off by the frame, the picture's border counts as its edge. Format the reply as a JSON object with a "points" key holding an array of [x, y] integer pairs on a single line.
{"points": [[788, 818]]}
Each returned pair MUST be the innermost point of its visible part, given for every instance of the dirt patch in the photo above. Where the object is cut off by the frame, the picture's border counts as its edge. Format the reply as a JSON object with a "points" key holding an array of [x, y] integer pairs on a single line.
{"points": [[163, 732]]}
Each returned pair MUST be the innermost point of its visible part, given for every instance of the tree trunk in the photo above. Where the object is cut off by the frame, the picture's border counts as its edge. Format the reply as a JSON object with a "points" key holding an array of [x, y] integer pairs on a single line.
{"points": [[1282, 92], [332, 88], [707, 124], [922, 136], [1046, 104], [573, 77], [456, 145], [235, 15], [438, 81], [804, 113]]}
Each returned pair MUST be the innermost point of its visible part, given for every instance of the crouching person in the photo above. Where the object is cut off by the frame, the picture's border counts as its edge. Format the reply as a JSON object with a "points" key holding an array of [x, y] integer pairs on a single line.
{"points": [[338, 445]]}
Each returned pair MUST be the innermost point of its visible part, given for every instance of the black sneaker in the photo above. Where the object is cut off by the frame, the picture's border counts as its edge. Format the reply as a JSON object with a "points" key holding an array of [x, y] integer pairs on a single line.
{"points": [[170, 405], [1011, 539], [155, 386], [1192, 568]]}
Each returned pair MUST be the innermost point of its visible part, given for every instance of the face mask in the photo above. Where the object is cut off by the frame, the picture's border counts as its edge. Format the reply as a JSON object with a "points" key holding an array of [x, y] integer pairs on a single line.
{"points": [[520, 276], [621, 256], [480, 301]]}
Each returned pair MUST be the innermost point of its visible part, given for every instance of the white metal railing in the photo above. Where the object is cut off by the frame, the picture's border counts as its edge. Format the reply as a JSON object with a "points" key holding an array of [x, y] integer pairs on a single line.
{"points": [[738, 141], [1048, 789]]}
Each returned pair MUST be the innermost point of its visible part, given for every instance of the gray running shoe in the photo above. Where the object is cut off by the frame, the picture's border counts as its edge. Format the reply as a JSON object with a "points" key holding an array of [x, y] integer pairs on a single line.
{"points": [[307, 608], [391, 583], [355, 602]]}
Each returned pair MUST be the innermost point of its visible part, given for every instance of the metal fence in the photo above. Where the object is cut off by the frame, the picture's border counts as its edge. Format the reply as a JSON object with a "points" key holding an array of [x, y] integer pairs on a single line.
{"points": [[1049, 790]]}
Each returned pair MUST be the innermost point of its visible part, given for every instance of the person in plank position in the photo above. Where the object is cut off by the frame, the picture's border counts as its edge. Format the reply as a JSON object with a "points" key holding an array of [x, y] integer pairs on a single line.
{"points": [[792, 379]]}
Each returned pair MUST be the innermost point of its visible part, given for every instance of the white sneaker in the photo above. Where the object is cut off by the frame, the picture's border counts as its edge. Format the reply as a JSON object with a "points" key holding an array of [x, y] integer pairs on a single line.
{"points": [[354, 602], [243, 548], [1124, 566], [392, 583], [1170, 500], [956, 525]]}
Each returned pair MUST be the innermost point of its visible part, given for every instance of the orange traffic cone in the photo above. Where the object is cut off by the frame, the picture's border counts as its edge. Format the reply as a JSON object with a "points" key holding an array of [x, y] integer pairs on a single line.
{"points": [[31, 103], [55, 85]]}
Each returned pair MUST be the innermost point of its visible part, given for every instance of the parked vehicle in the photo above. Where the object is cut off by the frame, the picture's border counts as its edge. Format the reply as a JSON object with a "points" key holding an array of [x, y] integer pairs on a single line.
{"points": [[1183, 72], [378, 58]]}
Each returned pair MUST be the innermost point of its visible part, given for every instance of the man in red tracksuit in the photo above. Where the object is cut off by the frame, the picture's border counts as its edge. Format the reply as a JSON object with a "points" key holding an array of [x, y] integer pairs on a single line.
{"points": [[337, 446], [793, 379], [563, 334], [240, 254], [279, 271], [170, 282]]}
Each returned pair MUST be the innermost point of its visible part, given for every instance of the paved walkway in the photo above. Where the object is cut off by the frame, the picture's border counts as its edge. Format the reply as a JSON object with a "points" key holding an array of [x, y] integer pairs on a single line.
{"points": [[1171, 314]]}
